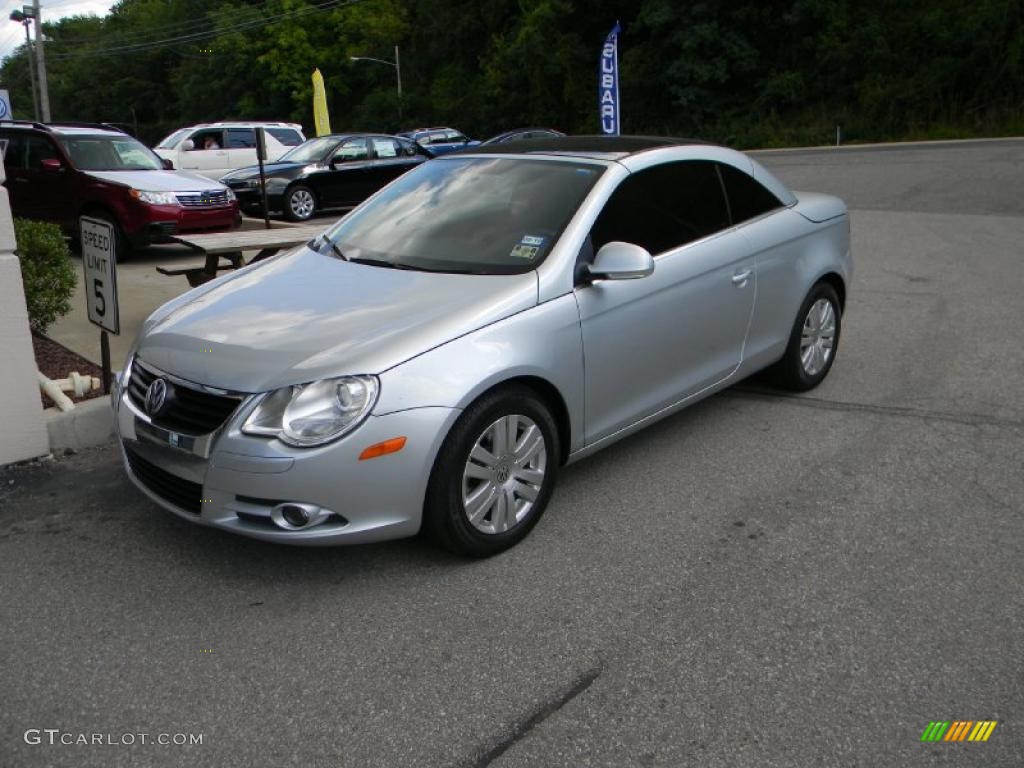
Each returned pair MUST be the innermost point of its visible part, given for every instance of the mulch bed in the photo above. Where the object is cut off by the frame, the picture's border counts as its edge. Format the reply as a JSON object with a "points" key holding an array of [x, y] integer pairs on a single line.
{"points": [[56, 361]]}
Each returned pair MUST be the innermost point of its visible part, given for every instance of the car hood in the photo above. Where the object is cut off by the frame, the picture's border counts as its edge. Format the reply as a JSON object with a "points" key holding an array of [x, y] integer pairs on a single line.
{"points": [[158, 181], [304, 316]]}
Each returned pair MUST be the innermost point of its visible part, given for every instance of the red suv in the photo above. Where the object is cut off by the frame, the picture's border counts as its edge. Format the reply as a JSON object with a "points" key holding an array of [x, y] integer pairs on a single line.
{"points": [[60, 171]]}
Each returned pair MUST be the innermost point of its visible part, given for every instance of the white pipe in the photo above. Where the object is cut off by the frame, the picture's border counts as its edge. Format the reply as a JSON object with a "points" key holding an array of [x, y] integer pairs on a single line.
{"points": [[53, 392], [80, 385]]}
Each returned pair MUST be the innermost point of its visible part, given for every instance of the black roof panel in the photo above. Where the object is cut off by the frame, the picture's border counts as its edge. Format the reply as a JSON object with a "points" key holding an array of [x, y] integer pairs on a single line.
{"points": [[621, 145]]}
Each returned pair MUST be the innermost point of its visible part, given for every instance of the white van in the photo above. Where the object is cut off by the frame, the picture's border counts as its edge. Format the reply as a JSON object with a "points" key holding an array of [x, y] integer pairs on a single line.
{"points": [[213, 149]]}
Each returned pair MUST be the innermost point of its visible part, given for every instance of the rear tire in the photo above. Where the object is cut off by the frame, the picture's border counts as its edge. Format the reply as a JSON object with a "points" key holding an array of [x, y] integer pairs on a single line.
{"points": [[494, 474], [813, 341]]}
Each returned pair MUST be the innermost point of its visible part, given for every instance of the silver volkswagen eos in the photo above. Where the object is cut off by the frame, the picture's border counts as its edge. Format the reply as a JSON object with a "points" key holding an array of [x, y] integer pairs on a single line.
{"points": [[431, 360]]}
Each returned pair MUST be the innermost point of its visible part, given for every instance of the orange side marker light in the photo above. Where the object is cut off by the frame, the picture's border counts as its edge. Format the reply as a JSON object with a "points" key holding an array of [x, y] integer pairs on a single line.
{"points": [[393, 445]]}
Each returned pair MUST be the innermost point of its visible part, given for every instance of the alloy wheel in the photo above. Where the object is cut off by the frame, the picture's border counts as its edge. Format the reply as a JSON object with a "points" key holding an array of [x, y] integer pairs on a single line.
{"points": [[504, 474], [301, 203], [818, 337]]}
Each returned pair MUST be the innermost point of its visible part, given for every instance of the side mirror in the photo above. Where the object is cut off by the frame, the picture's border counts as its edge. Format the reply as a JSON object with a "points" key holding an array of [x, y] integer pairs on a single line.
{"points": [[621, 261], [167, 164], [188, 145], [51, 165]]}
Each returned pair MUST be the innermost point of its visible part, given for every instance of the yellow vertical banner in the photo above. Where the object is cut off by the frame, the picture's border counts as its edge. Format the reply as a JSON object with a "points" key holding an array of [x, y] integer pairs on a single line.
{"points": [[320, 117]]}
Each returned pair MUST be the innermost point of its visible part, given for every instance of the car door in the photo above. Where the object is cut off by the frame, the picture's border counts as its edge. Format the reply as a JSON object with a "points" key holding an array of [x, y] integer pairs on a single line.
{"points": [[651, 342], [391, 158], [46, 180], [15, 169], [347, 180], [211, 161], [241, 146]]}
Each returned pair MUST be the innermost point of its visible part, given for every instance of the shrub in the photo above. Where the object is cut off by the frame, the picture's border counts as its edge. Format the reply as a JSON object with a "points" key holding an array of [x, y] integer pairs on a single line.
{"points": [[46, 271]]}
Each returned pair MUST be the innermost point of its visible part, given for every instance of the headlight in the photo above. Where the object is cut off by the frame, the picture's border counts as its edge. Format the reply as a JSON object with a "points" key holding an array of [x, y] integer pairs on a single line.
{"points": [[231, 193], [154, 198], [313, 414]]}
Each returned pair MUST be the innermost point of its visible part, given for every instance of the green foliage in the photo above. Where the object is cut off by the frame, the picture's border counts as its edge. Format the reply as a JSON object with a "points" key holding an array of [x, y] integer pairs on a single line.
{"points": [[731, 70], [47, 272]]}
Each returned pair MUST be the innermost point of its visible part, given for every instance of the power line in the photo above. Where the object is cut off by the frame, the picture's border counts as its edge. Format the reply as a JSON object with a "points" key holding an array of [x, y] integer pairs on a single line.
{"points": [[143, 36], [243, 26]]}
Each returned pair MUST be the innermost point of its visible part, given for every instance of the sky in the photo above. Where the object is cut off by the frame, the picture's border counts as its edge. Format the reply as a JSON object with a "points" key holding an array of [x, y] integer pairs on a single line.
{"points": [[12, 34]]}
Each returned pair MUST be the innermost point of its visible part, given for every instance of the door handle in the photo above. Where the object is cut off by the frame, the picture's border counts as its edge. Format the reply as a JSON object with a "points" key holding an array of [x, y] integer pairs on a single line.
{"points": [[740, 278]]}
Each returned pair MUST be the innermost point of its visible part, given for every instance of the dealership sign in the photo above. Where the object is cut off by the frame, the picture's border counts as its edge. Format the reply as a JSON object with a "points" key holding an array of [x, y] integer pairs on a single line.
{"points": [[608, 83]]}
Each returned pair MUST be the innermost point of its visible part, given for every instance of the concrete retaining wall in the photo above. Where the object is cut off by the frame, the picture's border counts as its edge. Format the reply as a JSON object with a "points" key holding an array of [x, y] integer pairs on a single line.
{"points": [[22, 428]]}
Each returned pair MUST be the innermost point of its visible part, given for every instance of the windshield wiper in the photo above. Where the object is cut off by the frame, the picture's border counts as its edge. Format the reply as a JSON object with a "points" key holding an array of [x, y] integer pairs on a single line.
{"points": [[334, 246], [383, 263]]}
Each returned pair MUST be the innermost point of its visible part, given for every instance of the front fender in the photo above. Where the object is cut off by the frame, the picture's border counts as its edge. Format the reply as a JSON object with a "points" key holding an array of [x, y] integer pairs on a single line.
{"points": [[544, 342]]}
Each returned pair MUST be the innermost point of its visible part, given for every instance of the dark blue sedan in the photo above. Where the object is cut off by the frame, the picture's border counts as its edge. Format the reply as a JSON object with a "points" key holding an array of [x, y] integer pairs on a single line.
{"points": [[439, 141]]}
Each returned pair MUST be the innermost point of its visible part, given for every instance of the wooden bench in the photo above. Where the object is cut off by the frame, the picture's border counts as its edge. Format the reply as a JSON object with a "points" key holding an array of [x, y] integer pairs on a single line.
{"points": [[232, 245]]}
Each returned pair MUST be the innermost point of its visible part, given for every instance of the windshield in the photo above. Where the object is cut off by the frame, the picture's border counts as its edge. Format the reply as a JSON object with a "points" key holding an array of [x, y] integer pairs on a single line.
{"points": [[309, 151], [172, 141], [477, 215], [104, 153]]}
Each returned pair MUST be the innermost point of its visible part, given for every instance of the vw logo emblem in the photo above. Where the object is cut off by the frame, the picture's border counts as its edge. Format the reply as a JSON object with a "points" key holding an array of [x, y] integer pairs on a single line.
{"points": [[156, 396]]}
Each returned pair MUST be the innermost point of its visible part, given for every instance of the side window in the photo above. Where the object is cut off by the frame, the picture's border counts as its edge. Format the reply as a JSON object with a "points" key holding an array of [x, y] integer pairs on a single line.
{"points": [[353, 149], [241, 138], [437, 137], [287, 136], [747, 198], [208, 139], [39, 149], [14, 153], [385, 148], [664, 207], [455, 137]]}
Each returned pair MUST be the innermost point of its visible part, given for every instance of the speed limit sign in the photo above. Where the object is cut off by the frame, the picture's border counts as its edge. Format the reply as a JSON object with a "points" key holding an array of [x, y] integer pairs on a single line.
{"points": [[98, 261]]}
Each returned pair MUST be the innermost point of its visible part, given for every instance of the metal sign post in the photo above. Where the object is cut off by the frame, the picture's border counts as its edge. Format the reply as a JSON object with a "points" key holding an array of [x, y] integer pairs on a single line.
{"points": [[99, 260], [261, 155]]}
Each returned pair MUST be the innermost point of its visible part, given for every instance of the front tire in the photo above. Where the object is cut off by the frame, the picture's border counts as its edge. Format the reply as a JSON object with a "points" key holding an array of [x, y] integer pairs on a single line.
{"points": [[299, 203], [494, 474], [123, 249], [813, 341]]}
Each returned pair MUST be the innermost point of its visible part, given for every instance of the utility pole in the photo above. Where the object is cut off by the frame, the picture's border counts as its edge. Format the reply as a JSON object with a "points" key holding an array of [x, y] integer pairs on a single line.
{"points": [[398, 71], [22, 19], [44, 92]]}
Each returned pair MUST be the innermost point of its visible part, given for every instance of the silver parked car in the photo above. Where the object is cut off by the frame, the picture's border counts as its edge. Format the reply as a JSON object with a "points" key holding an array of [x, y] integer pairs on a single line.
{"points": [[432, 359]]}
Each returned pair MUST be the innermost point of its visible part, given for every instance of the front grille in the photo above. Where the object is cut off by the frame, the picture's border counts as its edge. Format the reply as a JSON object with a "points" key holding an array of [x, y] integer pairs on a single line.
{"points": [[182, 493], [214, 197], [190, 411]]}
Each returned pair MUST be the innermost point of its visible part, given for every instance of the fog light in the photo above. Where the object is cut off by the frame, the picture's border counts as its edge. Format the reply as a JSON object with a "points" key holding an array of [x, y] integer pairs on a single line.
{"points": [[293, 516]]}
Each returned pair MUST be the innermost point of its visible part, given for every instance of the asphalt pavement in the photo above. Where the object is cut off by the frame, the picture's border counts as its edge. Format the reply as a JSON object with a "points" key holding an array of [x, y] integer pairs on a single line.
{"points": [[761, 580]]}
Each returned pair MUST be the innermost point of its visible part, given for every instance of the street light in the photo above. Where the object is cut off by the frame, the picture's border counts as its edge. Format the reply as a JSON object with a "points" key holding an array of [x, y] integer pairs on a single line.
{"points": [[25, 18], [398, 72]]}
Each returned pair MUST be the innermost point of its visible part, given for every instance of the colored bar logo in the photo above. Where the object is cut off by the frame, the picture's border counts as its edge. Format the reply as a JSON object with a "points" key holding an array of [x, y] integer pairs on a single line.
{"points": [[958, 730]]}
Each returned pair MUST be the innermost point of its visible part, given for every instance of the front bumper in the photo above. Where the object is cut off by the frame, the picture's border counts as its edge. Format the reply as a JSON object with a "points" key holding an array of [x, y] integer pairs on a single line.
{"points": [[155, 223], [240, 478], [251, 202]]}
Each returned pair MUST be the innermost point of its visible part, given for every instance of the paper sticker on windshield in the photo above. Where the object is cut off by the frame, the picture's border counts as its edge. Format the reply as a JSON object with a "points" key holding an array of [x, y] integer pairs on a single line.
{"points": [[528, 247]]}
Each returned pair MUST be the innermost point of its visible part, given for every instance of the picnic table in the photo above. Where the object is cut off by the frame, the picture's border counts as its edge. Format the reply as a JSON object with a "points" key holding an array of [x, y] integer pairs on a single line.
{"points": [[232, 245]]}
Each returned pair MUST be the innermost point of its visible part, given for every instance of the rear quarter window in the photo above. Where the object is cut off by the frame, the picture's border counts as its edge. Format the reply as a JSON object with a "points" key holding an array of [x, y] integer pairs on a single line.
{"points": [[289, 137], [748, 199]]}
